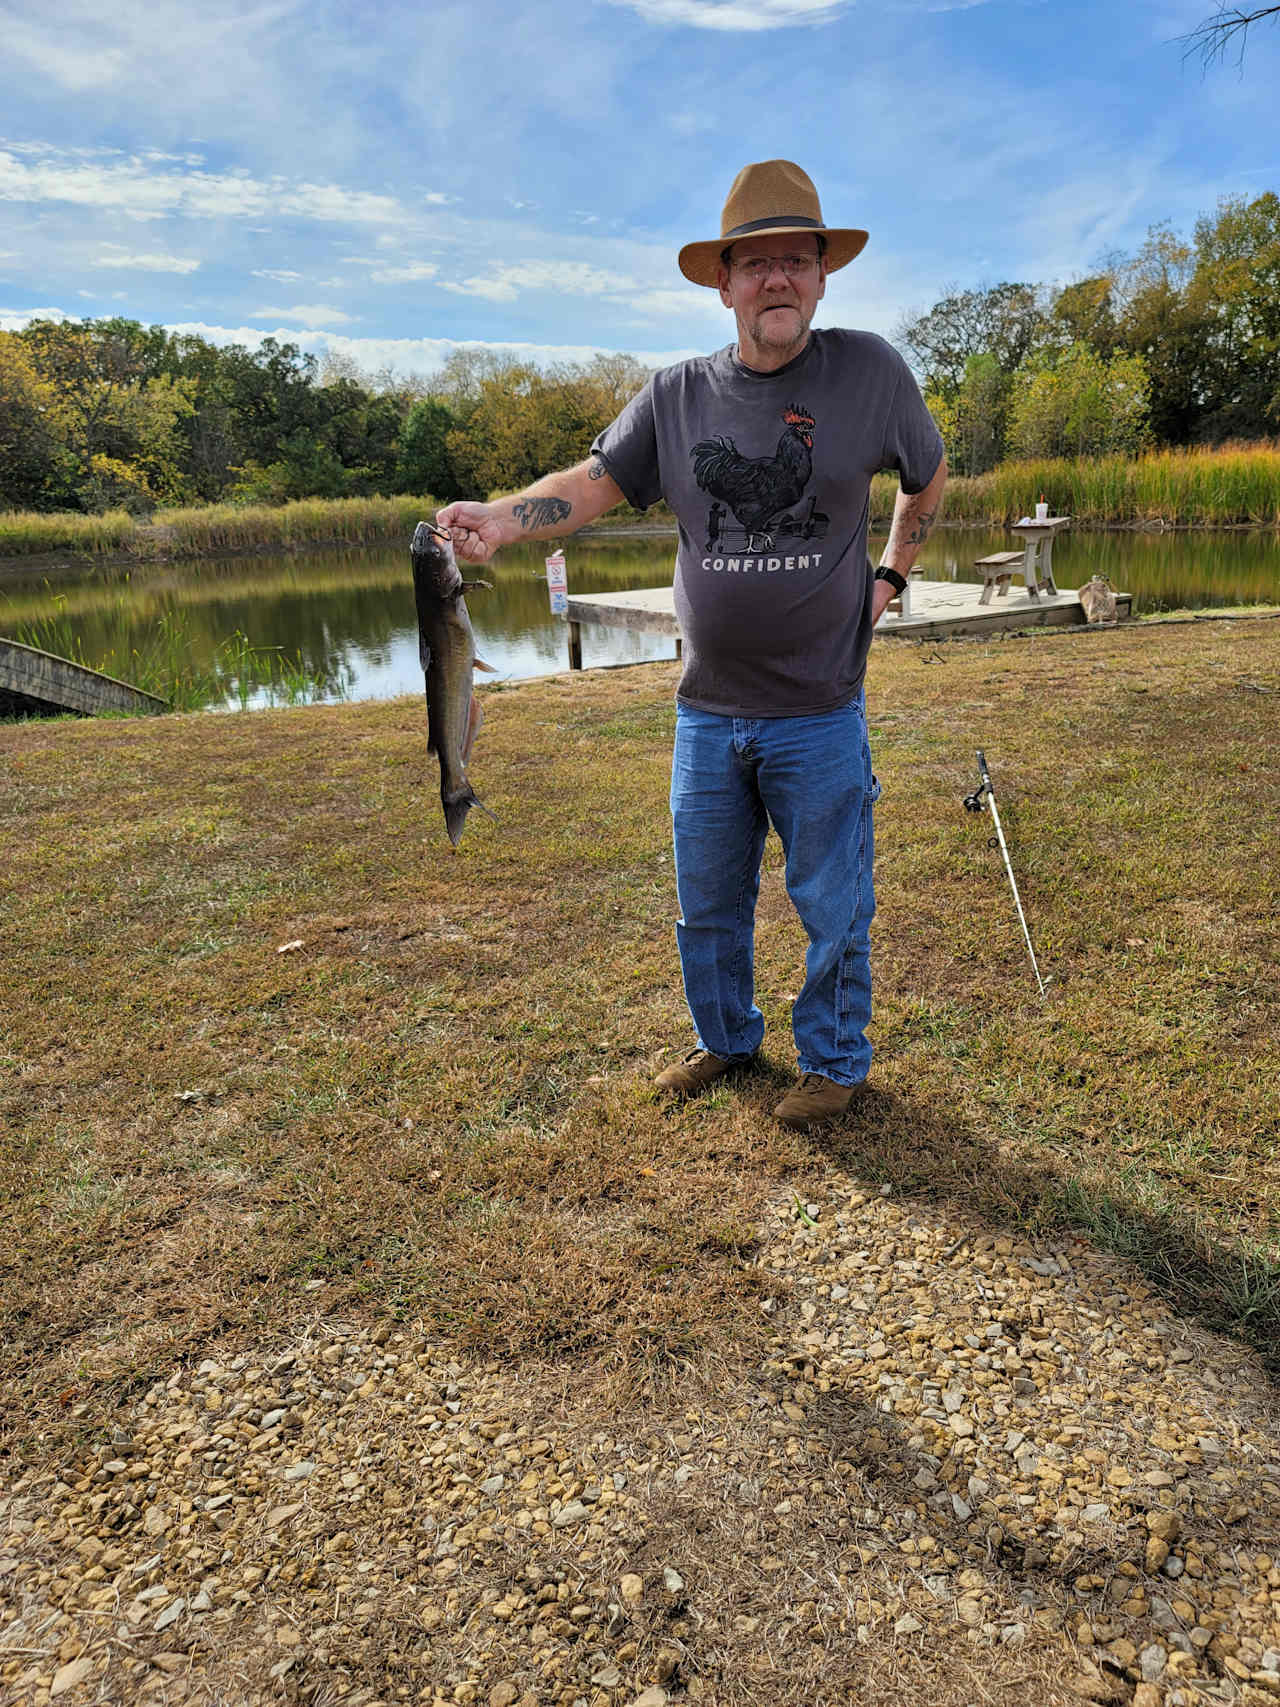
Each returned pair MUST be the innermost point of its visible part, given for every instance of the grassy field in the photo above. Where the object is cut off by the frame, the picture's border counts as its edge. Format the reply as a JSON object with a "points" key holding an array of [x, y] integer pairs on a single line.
{"points": [[263, 1027]]}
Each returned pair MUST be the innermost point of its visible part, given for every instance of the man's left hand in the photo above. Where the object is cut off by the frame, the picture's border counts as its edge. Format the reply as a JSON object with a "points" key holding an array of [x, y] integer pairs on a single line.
{"points": [[881, 593]]}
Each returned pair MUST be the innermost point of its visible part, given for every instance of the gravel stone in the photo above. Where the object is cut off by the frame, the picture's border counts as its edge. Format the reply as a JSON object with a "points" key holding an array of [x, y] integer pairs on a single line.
{"points": [[68, 1676], [370, 1516]]}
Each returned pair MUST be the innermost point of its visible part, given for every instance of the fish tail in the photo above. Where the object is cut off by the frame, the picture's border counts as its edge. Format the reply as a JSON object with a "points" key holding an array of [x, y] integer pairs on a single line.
{"points": [[456, 806]]}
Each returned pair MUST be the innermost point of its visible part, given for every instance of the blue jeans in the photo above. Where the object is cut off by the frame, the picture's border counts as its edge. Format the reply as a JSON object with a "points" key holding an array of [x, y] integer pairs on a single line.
{"points": [[811, 778]]}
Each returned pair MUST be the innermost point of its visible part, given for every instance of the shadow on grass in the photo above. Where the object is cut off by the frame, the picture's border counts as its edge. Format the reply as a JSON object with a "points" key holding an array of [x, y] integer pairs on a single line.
{"points": [[926, 1152]]}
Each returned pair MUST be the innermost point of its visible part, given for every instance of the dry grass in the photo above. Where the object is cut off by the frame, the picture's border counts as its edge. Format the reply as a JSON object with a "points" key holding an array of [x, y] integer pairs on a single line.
{"points": [[439, 1103], [1231, 485]]}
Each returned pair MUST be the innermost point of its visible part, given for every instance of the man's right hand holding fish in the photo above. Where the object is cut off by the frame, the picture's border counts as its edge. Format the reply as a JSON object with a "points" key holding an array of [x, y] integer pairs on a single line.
{"points": [[557, 505]]}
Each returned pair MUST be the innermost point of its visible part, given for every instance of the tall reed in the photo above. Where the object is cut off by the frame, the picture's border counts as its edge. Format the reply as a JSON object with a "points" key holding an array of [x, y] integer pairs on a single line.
{"points": [[306, 521], [1234, 485], [24, 532]]}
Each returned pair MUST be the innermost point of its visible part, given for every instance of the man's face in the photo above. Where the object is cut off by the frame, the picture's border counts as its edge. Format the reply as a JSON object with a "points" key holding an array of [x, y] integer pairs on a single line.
{"points": [[773, 311]]}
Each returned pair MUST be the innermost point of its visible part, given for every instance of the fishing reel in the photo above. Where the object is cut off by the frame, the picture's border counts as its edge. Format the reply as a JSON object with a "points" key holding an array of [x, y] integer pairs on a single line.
{"points": [[977, 802]]}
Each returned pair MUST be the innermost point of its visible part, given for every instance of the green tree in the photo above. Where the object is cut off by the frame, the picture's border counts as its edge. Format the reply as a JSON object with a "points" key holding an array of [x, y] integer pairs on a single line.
{"points": [[118, 421], [1237, 287], [973, 419], [1160, 317], [513, 422], [423, 463], [1005, 322], [981, 414], [1077, 403], [1084, 313], [29, 447]]}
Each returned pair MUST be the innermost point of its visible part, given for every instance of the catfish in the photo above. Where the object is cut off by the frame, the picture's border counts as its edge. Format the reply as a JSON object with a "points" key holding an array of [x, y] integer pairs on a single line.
{"points": [[447, 651]]}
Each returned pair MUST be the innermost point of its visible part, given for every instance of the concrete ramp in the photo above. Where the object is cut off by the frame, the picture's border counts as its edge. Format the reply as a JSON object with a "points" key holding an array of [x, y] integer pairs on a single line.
{"points": [[40, 684]]}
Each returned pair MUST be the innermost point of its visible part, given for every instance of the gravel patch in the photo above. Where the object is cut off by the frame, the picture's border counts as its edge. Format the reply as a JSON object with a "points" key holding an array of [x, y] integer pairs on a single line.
{"points": [[971, 1469]]}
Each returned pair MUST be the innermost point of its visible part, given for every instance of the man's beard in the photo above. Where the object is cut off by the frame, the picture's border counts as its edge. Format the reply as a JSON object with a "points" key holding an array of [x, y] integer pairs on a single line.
{"points": [[774, 331]]}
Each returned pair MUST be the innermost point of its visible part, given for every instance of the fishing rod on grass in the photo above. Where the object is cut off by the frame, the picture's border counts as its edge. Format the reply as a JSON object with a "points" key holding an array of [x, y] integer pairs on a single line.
{"points": [[984, 797]]}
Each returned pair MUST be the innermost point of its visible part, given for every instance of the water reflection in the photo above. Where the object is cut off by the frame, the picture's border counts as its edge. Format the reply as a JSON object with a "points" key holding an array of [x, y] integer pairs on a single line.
{"points": [[346, 618]]}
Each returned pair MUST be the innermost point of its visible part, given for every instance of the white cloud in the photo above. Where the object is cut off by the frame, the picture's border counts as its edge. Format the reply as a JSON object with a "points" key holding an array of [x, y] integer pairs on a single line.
{"points": [[740, 15], [312, 315], [14, 319], [277, 275], [409, 274], [663, 302], [77, 67], [81, 45], [573, 278], [146, 263], [578, 278], [402, 355], [141, 189]]}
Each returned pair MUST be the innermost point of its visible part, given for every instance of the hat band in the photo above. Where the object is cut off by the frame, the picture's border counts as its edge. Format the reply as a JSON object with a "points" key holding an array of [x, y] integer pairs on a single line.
{"points": [[765, 224]]}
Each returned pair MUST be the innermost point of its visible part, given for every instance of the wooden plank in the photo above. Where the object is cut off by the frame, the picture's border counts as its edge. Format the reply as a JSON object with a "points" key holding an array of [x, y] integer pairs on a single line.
{"points": [[34, 683], [650, 609]]}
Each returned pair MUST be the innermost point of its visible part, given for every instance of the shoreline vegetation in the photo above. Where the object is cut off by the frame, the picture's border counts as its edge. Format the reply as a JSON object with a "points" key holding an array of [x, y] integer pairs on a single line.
{"points": [[1233, 487]]}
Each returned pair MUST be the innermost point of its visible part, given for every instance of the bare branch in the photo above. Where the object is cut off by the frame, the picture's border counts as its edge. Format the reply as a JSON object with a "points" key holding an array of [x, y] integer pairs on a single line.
{"points": [[1212, 38]]}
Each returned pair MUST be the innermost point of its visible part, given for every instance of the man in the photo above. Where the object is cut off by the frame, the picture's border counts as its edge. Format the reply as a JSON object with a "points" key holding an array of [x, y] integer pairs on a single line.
{"points": [[765, 452]]}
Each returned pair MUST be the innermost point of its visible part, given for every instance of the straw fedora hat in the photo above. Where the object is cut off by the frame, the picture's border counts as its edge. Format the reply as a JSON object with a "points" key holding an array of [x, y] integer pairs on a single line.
{"points": [[771, 196]]}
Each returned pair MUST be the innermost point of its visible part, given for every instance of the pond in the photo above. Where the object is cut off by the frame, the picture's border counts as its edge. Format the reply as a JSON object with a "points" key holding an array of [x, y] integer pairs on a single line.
{"points": [[341, 624]]}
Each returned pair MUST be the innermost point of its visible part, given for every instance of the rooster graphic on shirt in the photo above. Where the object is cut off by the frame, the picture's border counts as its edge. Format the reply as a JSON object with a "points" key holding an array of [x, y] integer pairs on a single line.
{"points": [[764, 494]]}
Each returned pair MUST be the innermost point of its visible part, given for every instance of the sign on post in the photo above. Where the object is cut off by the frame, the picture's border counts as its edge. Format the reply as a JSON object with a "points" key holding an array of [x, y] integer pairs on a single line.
{"points": [[558, 583]]}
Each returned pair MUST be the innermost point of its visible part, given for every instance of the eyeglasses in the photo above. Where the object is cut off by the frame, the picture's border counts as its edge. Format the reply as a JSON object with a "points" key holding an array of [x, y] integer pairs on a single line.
{"points": [[758, 267]]}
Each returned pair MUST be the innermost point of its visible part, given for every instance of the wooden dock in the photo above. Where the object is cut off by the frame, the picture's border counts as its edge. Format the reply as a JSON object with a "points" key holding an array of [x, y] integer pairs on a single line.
{"points": [[938, 610], [40, 684]]}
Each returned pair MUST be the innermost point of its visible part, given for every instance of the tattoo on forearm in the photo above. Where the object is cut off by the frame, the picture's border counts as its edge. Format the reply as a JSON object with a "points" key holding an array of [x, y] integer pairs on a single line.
{"points": [[541, 512], [597, 471], [924, 522]]}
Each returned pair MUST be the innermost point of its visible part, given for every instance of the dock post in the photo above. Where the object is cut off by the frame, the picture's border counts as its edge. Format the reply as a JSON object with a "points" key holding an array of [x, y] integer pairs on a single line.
{"points": [[679, 647], [575, 645]]}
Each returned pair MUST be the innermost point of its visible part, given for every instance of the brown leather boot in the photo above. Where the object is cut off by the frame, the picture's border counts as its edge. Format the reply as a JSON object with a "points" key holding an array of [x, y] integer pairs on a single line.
{"points": [[814, 1101], [690, 1077]]}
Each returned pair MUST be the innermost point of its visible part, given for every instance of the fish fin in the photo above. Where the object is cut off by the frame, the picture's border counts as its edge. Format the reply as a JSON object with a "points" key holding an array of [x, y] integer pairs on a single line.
{"points": [[475, 717], [489, 669], [456, 809], [475, 586]]}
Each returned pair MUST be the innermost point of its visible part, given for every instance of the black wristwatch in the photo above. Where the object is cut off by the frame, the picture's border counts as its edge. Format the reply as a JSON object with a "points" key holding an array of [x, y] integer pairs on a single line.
{"points": [[896, 581]]}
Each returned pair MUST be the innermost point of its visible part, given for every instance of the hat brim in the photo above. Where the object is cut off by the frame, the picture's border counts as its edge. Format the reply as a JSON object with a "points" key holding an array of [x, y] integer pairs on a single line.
{"points": [[700, 262]]}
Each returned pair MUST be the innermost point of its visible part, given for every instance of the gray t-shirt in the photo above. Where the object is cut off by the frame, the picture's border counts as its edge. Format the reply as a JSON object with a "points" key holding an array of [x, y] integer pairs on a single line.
{"points": [[769, 475]]}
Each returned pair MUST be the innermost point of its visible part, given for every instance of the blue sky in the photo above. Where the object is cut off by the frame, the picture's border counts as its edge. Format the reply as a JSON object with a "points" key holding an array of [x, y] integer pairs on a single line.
{"points": [[390, 182]]}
